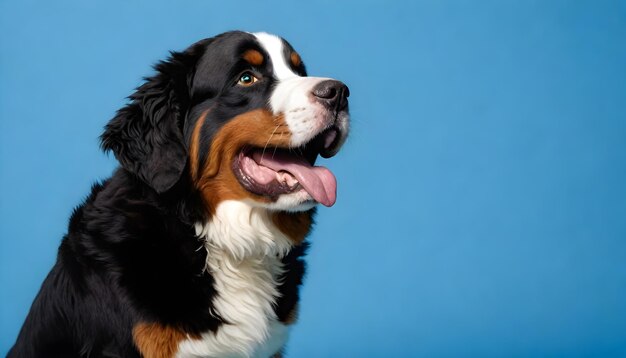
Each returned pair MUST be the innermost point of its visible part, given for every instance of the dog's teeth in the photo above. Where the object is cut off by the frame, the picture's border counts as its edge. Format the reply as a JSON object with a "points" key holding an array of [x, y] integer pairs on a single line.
{"points": [[287, 179]]}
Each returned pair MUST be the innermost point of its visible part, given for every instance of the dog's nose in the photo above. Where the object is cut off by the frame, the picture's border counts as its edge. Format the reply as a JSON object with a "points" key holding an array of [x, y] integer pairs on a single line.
{"points": [[333, 94]]}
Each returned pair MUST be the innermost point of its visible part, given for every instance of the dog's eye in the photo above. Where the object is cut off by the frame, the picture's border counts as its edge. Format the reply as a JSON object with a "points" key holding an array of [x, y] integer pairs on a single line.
{"points": [[247, 79]]}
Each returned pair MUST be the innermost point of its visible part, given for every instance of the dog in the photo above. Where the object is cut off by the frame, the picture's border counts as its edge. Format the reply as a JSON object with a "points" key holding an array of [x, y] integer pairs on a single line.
{"points": [[194, 247]]}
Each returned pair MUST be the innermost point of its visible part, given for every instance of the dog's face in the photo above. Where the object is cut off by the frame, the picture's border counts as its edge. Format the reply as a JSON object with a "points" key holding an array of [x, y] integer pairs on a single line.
{"points": [[240, 114]]}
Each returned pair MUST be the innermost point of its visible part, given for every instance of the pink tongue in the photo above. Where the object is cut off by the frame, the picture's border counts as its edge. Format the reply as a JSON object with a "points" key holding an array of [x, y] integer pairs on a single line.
{"points": [[319, 182]]}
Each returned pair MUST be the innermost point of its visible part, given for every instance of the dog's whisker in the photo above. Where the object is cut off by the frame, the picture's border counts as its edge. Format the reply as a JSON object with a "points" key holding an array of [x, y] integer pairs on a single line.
{"points": [[268, 142], [274, 153]]}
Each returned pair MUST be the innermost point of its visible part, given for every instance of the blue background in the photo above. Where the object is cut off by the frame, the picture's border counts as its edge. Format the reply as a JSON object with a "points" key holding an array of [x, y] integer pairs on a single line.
{"points": [[482, 203]]}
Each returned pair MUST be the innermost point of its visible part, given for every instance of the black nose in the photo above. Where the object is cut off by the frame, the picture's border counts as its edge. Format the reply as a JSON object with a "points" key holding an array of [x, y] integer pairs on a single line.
{"points": [[333, 94]]}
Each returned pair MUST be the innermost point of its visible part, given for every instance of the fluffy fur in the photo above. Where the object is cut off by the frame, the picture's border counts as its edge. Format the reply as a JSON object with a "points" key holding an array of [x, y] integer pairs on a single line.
{"points": [[181, 253]]}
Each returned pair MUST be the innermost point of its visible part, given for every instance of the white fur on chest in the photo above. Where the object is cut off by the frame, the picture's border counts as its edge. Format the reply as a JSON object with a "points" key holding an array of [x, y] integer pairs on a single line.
{"points": [[244, 249]]}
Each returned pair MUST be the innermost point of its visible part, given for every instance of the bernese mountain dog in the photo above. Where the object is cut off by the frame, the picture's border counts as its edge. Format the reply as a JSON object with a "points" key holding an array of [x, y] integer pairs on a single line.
{"points": [[194, 247]]}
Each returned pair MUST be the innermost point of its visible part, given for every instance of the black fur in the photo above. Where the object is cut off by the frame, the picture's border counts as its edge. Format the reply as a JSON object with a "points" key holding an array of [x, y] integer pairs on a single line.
{"points": [[131, 254]]}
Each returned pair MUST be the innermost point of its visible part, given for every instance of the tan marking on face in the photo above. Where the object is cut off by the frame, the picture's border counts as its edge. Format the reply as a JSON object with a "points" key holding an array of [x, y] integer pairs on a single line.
{"points": [[195, 143], [296, 225], [253, 57], [258, 128], [155, 340], [296, 61]]}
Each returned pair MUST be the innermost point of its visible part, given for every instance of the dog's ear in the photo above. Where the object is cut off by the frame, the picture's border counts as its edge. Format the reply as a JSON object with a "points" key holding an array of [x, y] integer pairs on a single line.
{"points": [[146, 135]]}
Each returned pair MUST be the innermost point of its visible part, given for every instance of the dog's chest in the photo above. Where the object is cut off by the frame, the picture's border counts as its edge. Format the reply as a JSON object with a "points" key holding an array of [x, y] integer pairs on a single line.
{"points": [[246, 294], [246, 291]]}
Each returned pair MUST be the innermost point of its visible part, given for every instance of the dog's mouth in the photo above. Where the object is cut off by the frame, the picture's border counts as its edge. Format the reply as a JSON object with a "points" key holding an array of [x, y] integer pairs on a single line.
{"points": [[273, 171]]}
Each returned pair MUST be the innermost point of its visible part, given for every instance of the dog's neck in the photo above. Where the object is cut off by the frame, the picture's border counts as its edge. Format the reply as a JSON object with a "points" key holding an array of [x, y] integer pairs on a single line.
{"points": [[243, 231]]}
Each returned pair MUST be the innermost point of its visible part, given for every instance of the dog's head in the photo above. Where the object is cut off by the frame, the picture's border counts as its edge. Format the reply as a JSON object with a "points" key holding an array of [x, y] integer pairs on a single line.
{"points": [[238, 114]]}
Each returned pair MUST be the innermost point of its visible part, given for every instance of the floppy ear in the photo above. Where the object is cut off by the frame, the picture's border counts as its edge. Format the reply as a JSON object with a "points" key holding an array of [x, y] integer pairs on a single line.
{"points": [[146, 135]]}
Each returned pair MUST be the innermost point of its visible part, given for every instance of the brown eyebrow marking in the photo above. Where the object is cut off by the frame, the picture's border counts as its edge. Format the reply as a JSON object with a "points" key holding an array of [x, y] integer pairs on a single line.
{"points": [[295, 59], [253, 57]]}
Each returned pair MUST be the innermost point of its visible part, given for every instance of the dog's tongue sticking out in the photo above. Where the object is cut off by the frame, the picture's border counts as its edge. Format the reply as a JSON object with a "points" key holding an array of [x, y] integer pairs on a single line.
{"points": [[319, 182]]}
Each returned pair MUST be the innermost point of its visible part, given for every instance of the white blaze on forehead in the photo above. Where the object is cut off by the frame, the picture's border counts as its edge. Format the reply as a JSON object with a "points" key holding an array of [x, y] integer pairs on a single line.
{"points": [[292, 95], [275, 48]]}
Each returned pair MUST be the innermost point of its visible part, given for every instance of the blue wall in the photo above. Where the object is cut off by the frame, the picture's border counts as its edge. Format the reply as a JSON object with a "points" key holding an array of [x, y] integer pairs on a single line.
{"points": [[482, 196]]}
